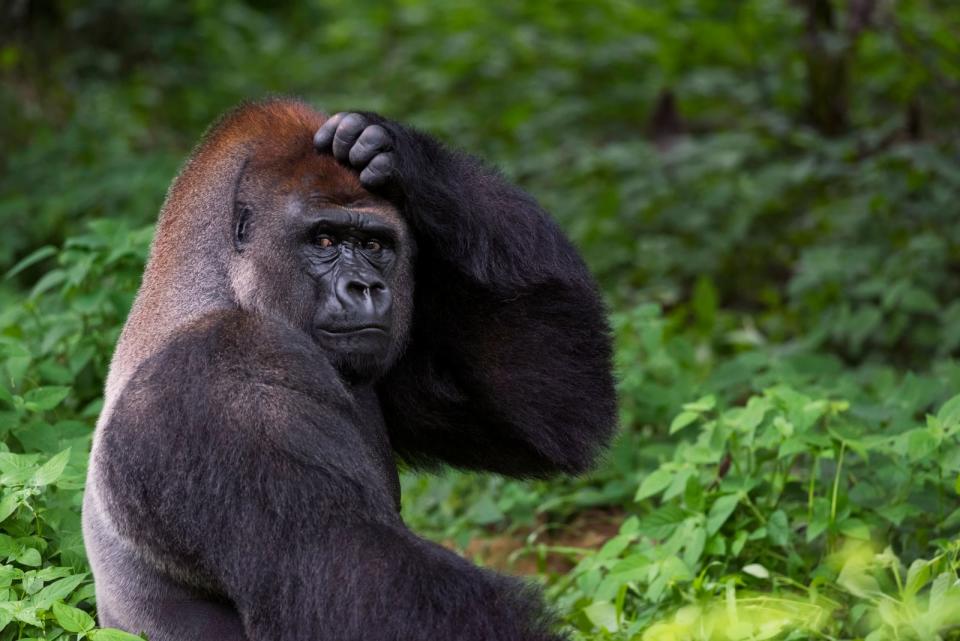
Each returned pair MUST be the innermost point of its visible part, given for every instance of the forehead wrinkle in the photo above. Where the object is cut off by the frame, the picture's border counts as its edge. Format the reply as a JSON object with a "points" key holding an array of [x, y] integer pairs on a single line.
{"points": [[359, 221], [385, 213]]}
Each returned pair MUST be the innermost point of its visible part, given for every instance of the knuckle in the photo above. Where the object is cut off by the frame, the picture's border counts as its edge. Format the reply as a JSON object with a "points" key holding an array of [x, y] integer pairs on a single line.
{"points": [[357, 154], [376, 132], [352, 121], [366, 141], [382, 162]]}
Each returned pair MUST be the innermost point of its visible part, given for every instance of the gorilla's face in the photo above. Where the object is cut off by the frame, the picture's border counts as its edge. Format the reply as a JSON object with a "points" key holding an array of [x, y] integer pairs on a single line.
{"points": [[352, 259], [320, 252]]}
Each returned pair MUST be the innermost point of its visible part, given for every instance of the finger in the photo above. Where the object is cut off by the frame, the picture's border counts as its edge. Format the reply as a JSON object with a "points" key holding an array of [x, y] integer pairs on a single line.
{"points": [[372, 141], [348, 131], [323, 139], [379, 171]]}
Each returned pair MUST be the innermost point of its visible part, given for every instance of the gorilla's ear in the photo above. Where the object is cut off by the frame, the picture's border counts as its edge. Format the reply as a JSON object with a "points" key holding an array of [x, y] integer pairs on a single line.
{"points": [[242, 229]]}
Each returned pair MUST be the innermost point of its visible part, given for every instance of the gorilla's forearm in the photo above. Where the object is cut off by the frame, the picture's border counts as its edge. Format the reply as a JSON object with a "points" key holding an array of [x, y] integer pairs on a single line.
{"points": [[382, 583], [480, 224], [509, 318]]}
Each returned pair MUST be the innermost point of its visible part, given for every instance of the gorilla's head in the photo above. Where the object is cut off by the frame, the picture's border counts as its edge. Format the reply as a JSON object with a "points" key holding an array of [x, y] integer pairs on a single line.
{"points": [[257, 219], [315, 249]]}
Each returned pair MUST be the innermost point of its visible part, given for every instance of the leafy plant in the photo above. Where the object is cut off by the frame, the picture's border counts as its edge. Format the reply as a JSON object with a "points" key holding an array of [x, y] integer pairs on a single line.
{"points": [[766, 190]]}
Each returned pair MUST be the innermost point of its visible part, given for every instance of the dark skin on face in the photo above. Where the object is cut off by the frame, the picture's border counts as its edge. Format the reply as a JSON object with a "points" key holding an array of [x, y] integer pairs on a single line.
{"points": [[351, 256]]}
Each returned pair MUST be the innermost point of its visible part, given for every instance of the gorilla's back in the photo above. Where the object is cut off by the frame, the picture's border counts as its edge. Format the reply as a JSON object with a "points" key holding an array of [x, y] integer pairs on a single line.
{"points": [[134, 596]]}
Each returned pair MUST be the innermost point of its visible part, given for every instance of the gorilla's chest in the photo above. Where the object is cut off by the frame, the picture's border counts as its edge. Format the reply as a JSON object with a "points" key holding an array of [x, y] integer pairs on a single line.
{"points": [[373, 430]]}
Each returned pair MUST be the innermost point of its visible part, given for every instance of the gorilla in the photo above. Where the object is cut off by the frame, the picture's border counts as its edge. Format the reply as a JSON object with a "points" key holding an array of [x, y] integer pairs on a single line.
{"points": [[325, 297]]}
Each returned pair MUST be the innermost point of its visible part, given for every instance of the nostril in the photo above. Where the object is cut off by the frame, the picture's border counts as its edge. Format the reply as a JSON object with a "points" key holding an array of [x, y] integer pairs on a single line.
{"points": [[359, 290], [363, 287], [358, 287]]}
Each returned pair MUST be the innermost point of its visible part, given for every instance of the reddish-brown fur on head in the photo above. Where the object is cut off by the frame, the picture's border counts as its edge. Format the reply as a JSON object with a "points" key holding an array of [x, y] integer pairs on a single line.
{"points": [[280, 135], [193, 268], [276, 138]]}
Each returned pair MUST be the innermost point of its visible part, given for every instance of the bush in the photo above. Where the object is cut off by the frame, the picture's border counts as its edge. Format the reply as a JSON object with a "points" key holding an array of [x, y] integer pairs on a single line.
{"points": [[766, 189]]}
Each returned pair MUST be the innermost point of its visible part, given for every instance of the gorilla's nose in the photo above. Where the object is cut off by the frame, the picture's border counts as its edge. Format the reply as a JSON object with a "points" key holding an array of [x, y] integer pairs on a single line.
{"points": [[365, 294]]}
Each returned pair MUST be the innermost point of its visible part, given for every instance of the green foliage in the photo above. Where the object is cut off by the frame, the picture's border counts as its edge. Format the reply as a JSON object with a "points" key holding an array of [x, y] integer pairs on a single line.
{"points": [[788, 499], [771, 212], [54, 346]]}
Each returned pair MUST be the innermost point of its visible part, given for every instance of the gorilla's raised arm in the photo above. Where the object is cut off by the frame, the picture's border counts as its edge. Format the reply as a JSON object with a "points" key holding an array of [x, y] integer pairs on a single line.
{"points": [[508, 365]]}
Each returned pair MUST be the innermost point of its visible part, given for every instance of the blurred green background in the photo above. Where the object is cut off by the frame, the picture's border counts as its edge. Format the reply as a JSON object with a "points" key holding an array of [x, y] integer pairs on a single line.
{"points": [[768, 191]]}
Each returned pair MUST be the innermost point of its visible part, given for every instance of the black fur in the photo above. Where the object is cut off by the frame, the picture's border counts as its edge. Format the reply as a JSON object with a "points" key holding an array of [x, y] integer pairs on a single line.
{"points": [[508, 368], [250, 490]]}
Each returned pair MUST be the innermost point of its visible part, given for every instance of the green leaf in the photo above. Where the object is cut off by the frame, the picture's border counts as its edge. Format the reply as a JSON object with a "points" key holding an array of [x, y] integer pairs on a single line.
{"points": [[8, 547], [678, 484], [30, 259], [484, 511], [48, 281], [51, 470], [949, 413], [720, 511], [696, 539], [752, 415], [6, 397], [602, 614], [18, 360], [855, 529], [738, 542], [757, 570], [32, 582], [855, 579], [821, 518], [57, 591], [42, 399], [661, 523], [22, 611], [653, 484], [693, 494], [8, 505], [702, 404], [682, 420], [921, 444], [671, 570], [918, 575], [614, 547], [29, 556], [778, 528], [110, 634], [72, 619]]}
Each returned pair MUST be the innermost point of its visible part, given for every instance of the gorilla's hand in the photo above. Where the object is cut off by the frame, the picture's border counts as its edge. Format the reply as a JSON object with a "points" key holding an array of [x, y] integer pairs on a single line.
{"points": [[363, 142]]}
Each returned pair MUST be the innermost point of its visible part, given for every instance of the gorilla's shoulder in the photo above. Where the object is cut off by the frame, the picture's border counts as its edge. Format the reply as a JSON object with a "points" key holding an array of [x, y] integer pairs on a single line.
{"points": [[227, 354]]}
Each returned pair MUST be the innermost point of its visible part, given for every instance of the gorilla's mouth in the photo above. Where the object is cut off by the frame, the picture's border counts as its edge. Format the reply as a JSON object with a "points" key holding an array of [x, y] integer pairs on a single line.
{"points": [[347, 331], [357, 350]]}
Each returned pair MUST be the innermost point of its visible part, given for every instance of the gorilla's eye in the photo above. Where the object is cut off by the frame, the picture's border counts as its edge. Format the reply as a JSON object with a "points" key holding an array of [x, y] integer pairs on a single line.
{"points": [[373, 245], [325, 241]]}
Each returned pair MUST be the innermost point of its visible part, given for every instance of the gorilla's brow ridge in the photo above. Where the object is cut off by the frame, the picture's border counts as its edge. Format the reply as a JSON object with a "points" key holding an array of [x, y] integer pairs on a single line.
{"points": [[369, 220]]}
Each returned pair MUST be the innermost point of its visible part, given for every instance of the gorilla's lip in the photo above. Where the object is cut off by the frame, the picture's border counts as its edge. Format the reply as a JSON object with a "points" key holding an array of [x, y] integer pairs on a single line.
{"points": [[343, 331]]}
